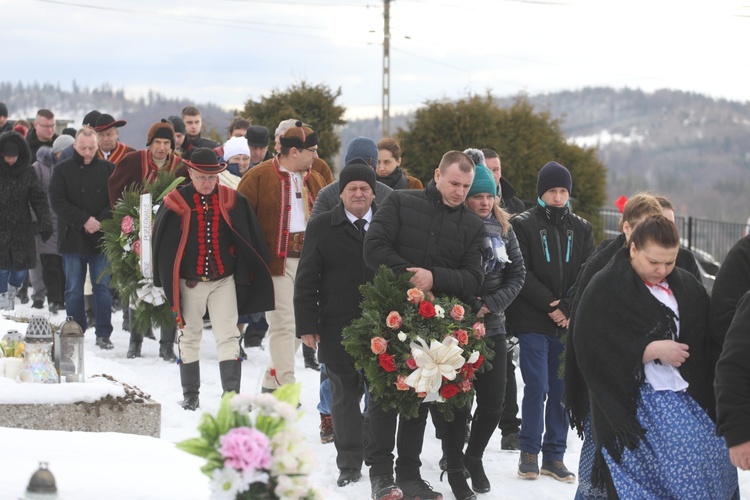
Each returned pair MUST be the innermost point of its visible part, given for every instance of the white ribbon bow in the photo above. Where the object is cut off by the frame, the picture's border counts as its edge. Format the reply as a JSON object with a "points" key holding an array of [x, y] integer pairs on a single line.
{"points": [[149, 293], [440, 359]]}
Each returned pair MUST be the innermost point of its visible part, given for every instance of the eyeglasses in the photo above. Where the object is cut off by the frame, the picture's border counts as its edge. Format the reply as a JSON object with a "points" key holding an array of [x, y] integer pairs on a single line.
{"points": [[52, 125], [313, 151], [204, 179]]}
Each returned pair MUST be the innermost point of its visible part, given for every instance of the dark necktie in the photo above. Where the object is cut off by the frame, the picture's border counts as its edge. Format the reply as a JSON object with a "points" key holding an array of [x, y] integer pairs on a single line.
{"points": [[360, 223]]}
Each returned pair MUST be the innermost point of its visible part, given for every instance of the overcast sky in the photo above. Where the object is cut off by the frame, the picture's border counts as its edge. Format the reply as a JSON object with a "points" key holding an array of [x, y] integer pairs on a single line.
{"points": [[226, 51]]}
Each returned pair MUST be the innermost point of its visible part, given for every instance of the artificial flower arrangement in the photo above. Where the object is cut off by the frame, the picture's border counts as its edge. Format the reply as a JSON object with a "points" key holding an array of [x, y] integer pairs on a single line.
{"points": [[413, 348], [253, 449], [122, 246], [12, 347]]}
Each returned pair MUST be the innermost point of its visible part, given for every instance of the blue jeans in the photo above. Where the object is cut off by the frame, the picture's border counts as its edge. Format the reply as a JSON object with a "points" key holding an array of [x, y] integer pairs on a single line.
{"points": [[12, 277], [74, 265], [539, 359], [324, 406]]}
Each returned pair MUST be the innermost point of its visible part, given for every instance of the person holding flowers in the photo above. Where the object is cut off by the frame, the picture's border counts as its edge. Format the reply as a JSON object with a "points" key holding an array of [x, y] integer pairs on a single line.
{"points": [[432, 234], [504, 274]]}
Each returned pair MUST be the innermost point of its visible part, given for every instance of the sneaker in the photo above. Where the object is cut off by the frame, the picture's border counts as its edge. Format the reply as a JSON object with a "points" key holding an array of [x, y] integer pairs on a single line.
{"points": [[418, 489], [557, 469], [104, 343], [326, 429], [38, 304], [383, 488], [528, 465], [510, 442]]}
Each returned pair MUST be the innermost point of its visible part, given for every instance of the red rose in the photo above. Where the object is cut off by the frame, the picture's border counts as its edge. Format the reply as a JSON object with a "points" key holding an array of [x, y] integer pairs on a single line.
{"points": [[387, 362], [426, 309], [479, 362], [449, 390], [393, 321], [467, 371], [458, 312], [462, 336], [411, 363], [378, 345]]}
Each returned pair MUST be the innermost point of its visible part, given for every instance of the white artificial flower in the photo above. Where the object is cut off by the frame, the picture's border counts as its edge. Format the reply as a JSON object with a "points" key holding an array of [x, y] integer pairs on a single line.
{"points": [[474, 357], [439, 311], [401, 336], [226, 483], [127, 247]]}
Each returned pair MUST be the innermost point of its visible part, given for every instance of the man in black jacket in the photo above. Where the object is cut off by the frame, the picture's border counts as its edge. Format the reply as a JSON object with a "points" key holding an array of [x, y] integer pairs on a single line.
{"points": [[191, 117], [432, 234], [326, 299], [78, 194], [555, 243]]}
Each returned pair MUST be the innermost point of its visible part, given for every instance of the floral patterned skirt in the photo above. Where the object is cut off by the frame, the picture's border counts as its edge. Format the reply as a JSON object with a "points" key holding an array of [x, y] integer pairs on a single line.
{"points": [[680, 456]]}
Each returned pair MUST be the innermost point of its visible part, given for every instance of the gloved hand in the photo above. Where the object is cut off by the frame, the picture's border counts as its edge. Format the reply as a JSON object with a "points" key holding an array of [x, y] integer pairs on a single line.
{"points": [[45, 235]]}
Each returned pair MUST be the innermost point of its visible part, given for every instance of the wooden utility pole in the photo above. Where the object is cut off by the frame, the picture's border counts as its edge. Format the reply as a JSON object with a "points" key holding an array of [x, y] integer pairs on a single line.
{"points": [[386, 121]]}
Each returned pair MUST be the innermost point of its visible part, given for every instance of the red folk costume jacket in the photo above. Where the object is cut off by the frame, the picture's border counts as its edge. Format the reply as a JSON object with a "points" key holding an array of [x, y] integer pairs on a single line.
{"points": [[138, 167], [252, 277], [268, 190], [116, 154]]}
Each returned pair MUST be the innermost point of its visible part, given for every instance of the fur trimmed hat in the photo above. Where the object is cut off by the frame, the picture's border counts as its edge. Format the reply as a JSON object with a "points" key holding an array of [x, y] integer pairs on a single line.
{"points": [[553, 175], [299, 137], [205, 161], [161, 130], [357, 170]]}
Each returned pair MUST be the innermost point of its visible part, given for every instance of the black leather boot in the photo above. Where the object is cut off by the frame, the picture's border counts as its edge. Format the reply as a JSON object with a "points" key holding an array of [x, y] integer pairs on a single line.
{"points": [[309, 354], [190, 378], [457, 480], [231, 375], [166, 343], [134, 348], [88, 301]]}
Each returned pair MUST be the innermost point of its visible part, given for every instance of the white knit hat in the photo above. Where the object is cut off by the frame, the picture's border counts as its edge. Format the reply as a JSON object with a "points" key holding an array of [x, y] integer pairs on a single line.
{"points": [[236, 146]]}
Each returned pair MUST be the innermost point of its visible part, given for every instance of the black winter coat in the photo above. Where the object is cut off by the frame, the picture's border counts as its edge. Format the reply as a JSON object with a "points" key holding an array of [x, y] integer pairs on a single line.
{"points": [[77, 192], [732, 380], [553, 255], [20, 190], [35, 143], [500, 288], [732, 281], [510, 202], [326, 291], [413, 228]]}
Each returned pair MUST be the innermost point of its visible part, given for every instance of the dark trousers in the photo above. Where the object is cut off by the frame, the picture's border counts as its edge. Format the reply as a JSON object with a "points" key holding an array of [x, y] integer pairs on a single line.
{"points": [[509, 421], [379, 449], [490, 394], [346, 392]]}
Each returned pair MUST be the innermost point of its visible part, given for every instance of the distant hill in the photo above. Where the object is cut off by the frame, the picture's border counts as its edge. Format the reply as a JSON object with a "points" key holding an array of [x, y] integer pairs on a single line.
{"points": [[691, 148]]}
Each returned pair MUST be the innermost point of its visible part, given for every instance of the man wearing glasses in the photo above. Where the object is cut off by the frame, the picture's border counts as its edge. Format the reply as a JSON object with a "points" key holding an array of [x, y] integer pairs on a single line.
{"points": [[43, 133], [209, 255], [282, 191]]}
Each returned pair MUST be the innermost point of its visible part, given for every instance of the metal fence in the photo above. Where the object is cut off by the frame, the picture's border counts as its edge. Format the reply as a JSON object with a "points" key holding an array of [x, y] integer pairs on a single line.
{"points": [[712, 239]]}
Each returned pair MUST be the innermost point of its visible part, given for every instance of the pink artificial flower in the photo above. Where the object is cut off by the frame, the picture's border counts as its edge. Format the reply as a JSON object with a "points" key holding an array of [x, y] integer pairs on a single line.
{"points": [[411, 363], [393, 321], [127, 225], [246, 449], [137, 247], [462, 336], [479, 330], [401, 384], [415, 295], [378, 345], [457, 312], [464, 385]]}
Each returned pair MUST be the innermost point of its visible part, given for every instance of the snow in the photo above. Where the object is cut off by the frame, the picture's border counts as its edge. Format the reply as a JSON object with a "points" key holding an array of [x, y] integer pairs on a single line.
{"points": [[90, 466]]}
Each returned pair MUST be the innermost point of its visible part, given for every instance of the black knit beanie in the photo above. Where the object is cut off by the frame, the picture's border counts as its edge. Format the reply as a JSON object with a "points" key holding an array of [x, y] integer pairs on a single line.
{"points": [[357, 170], [553, 175]]}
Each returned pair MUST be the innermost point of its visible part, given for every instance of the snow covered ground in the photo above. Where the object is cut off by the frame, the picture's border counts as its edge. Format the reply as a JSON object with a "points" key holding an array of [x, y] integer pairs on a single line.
{"points": [[122, 466]]}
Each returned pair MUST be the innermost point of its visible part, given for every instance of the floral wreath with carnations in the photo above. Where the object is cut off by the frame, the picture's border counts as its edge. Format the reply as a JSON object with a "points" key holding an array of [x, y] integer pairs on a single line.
{"points": [[415, 349], [253, 449], [122, 246]]}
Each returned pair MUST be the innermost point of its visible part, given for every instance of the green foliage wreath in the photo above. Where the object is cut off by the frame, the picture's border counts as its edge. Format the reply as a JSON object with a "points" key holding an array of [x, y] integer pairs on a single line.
{"points": [[122, 248], [414, 348]]}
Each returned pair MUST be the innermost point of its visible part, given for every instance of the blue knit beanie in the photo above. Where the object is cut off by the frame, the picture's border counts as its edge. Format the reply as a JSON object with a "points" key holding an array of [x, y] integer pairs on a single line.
{"points": [[362, 147], [553, 175], [484, 182]]}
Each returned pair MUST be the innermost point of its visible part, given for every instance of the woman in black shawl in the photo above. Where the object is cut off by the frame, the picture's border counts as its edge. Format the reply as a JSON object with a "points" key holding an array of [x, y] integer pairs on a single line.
{"points": [[389, 169], [642, 342]]}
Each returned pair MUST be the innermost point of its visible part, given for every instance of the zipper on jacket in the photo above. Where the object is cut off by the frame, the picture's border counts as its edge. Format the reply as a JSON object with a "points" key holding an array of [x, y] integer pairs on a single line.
{"points": [[545, 246], [560, 261], [570, 245]]}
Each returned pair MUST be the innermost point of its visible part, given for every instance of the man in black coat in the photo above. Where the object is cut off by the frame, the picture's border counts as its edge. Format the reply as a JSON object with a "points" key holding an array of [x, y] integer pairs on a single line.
{"points": [[43, 133], [432, 234], [191, 117], [78, 195], [555, 243], [326, 299]]}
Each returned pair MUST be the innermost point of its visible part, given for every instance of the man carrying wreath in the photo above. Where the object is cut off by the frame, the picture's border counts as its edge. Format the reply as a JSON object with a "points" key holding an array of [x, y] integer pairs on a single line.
{"points": [[432, 234]]}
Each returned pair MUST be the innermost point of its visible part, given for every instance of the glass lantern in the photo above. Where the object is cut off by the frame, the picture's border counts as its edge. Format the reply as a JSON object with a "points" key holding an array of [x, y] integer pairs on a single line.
{"points": [[69, 351], [37, 358]]}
